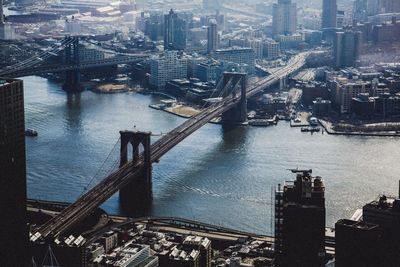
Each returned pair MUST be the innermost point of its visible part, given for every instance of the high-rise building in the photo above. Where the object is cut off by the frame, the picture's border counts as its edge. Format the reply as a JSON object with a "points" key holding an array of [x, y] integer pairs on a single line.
{"points": [[258, 46], [372, 241], [385, 212], [329, 14], [212, 36], [347, 48], [343, 90], [284, 17], [13, 228], [271, 49], [242, 56], [1, 13], [6, 30], [357, 244], [165, 68], [175, 29], [300, 221]]}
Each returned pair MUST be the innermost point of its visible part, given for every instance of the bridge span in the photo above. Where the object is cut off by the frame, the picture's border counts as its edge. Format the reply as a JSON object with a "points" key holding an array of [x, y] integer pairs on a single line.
{"points": [[69, 49], [80, 66], [132, 170]]}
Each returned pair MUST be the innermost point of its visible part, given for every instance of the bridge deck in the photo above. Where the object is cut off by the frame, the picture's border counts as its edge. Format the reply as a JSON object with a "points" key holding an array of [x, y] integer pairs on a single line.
{"points": [[111, 184]]}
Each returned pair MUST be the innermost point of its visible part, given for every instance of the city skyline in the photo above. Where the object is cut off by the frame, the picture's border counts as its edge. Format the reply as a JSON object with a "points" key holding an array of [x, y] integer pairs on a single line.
{"points": [[159, 133]]}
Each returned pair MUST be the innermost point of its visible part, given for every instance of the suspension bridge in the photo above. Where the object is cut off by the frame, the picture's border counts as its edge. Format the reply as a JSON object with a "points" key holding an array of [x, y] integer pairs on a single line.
{"points": [[133, 178], [71, 65]]}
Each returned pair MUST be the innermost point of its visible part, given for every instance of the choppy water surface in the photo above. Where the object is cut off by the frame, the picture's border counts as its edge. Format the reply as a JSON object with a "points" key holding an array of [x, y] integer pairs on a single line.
{"points": [[217, 175]]}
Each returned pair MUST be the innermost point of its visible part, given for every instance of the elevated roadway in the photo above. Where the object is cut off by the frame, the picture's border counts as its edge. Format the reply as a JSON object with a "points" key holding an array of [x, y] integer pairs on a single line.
{"points": [[83, 65], [92, 199]]}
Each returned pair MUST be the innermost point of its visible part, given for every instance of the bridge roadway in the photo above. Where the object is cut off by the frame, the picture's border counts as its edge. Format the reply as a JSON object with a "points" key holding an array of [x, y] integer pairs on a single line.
{"points": [[92, 199], [83, 65]]}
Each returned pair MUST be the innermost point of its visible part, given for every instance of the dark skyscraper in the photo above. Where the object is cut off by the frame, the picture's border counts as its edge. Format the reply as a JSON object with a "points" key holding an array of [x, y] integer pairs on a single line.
{"points": [[329, 14], [13, 228], [300, 222], [357, 244], [174, 32], [346, 48], [1, 13], [212, 36]]}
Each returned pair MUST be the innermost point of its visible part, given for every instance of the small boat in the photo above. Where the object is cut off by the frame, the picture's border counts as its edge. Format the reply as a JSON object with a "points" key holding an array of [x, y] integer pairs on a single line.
{"points": [[259, 122], [31, 132], [313, 121], [310, 129], [251, 115]]}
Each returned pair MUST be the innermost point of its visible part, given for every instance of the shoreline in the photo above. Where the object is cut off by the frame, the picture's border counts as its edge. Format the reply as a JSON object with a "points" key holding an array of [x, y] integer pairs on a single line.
{"points": [[326, 125], [329, 130]]}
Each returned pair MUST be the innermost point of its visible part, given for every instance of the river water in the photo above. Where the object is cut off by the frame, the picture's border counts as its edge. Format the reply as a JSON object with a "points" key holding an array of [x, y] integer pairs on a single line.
{"points": [[217, 175]]}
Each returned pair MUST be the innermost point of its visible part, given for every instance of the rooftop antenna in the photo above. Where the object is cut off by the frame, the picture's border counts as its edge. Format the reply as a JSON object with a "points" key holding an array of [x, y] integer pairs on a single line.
{"points": [[305, 172]]}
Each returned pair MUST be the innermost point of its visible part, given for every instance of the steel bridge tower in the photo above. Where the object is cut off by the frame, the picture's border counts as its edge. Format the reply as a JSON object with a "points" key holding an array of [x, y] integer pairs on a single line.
{"points": [[72, 77]]}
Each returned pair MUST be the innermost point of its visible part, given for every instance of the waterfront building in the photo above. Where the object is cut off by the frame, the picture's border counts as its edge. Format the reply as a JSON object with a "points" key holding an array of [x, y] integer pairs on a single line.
{"points": [[175, 29], [237, 55], [347, 46], [312, 91], [362, 105], [343, 90], [171, 65], [13, 225], [387, 105], [321, 107], [329, 14], [284, 17], [212, 36], [300, 221]]}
